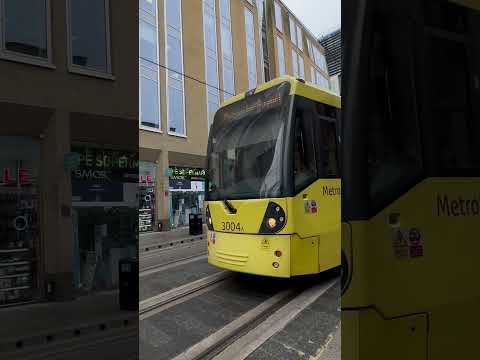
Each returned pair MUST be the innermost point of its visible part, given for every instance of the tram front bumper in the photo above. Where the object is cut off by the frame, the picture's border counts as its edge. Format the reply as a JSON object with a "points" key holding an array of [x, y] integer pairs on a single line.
{"points": [[267, 255]]}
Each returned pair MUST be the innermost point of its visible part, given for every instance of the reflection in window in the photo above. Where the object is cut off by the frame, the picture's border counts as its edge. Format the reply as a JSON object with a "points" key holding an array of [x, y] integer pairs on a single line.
{"points": [[148, 41], [227, 52], [25, 26], [211, 66], [175, 93], [281, 56], [149, 98], [89, 24], [251, 55]]}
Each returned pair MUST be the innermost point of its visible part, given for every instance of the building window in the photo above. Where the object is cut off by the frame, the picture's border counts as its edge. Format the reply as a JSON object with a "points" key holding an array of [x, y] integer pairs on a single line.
{"points": [[25, 31], [293, 31], [89, 36], [278, 17], [227, 51], [149, 98], [301, 67], [319, 59], [251, 55], [174, 57], [310, 49], [322, 81], [148, 41], [298, 65], [299, 38], [149, 70], [294, 63], [211, 61], [281, 56], [262, 28]]}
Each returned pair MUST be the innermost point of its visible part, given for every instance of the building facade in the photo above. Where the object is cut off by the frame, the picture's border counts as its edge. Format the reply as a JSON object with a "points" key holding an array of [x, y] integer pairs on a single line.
{"points": [[68, 146], [194, 55], [332, 44]]}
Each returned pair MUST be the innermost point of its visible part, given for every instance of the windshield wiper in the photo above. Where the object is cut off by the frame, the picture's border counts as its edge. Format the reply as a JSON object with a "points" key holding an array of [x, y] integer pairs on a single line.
{"points": [[229, 206]]}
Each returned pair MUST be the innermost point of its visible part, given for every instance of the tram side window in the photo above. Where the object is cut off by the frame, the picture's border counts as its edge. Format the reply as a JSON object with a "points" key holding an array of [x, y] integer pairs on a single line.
{"points": [[326, 134], [394, 155], [305, 168], [451, 132]]}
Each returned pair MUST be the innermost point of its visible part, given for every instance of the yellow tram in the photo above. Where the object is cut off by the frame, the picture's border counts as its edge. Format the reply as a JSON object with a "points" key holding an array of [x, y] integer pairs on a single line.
{"points": [[411, 180], [273, 184]]}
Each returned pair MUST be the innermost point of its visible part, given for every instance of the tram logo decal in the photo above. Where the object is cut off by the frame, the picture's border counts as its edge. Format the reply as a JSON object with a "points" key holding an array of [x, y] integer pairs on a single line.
{"points": [[458, 206]]}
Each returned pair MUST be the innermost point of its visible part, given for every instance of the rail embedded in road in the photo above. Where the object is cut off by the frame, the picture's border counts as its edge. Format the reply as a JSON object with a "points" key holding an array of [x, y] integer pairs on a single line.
{"points": [[158, 303]]}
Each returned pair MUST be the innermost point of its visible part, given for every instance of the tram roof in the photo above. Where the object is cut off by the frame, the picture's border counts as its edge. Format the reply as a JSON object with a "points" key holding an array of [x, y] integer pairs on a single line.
{"points": [[297, 87]]}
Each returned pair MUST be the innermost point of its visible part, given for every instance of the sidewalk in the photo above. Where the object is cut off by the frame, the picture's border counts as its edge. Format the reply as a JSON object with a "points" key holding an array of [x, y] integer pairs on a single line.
{"points": [[152, 240], [38, 324]]}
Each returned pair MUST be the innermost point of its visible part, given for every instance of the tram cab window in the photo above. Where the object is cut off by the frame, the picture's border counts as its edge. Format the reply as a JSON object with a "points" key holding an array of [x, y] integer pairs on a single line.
{"points": [[305, 167]]}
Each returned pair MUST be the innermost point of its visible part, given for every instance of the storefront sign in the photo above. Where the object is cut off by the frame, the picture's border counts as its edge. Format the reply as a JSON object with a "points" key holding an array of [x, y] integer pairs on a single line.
{"points": [[174, 171], [13, 177], [105, 164]]}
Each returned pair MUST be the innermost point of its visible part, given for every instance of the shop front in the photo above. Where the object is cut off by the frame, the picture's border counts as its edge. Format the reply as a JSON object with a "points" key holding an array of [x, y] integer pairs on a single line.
{"points": [[105, 214], [186, 194], [20, 244]]}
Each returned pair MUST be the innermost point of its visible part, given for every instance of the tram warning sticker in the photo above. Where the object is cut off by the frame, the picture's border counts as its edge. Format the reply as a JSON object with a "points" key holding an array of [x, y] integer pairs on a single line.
{"points": [[310, 206], [415, 241], [265, 243], [407, 243], [400, 244]]}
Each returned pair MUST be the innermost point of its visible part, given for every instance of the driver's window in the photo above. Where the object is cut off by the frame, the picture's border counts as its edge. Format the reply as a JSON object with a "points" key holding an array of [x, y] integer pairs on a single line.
{"points": [[305, 169]]}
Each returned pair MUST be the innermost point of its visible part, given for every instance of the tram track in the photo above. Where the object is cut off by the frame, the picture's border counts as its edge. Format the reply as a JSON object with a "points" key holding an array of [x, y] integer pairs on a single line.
{"points": [[151, 269], [242, 336], [165, 300]]}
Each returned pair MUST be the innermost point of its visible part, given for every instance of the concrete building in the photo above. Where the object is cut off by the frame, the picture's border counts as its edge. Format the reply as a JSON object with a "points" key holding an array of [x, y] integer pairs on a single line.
{"points": [[332, 44], [68, 146], [193, 55]]}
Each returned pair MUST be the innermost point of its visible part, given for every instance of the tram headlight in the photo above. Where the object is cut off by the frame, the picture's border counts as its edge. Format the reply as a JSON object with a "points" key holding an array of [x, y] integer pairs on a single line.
{"points": [[274, 219], [209, 219], [272, 222]]}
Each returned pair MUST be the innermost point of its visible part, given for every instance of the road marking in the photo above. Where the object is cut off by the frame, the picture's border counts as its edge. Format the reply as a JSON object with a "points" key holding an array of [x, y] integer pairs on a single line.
{"points": [[208, 344], [248, 343], [171, 264], [180, 294]]}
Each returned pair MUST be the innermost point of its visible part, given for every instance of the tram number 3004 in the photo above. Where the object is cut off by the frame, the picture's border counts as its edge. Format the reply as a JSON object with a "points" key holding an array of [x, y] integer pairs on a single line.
{"points": [[231, 226]]}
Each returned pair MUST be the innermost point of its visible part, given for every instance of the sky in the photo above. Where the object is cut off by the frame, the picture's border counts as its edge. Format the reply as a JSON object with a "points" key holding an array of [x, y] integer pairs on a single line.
{"points": [[319, 16]]}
